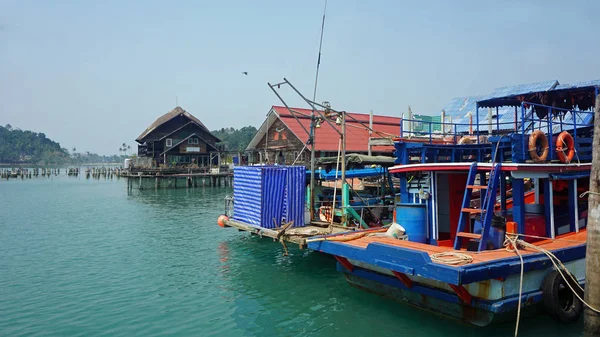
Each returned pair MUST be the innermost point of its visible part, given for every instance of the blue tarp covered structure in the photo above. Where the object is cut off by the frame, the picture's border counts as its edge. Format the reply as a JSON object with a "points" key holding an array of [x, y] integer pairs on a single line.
{"points": [[353, 173], [264, 193]]}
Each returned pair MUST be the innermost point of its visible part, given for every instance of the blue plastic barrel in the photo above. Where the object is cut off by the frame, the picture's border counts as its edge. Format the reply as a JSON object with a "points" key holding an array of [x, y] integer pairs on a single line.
{"points": [[413, 217]]}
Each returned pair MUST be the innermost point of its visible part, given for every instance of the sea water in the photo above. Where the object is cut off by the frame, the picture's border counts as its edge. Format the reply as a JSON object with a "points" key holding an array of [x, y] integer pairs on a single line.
{"points": [[88, 258]]}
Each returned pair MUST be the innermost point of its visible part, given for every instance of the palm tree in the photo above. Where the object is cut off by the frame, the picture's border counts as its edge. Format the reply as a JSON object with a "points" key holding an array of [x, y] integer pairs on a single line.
{"points": [[129, 148]]}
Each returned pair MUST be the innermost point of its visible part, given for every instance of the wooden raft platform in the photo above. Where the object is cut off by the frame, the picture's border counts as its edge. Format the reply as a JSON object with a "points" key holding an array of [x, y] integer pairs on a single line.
{"points": [[296, 235]]}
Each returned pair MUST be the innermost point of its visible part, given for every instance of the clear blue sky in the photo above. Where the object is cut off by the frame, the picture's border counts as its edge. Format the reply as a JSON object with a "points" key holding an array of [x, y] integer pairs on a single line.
{"points": [[95, 74]]}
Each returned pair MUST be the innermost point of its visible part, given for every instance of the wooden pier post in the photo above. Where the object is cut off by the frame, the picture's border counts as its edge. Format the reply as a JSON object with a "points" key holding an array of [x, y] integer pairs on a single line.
{"points": [[591, 320]]}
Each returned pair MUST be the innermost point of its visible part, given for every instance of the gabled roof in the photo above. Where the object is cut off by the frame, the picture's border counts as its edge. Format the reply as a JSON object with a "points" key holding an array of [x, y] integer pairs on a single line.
{"points": [[183, 140], [167, 117], [326, 138], [181, 127]]}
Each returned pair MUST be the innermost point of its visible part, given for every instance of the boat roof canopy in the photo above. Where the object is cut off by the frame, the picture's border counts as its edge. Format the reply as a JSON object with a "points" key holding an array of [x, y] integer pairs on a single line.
{"points": [[567, 96]]}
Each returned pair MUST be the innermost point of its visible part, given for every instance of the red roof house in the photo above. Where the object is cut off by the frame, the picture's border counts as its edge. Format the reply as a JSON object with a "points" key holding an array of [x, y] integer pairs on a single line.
{"points": [[283, 136]]}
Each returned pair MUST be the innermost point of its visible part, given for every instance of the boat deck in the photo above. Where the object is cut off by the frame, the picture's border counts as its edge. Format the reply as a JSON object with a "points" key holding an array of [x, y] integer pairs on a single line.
{"points": [[413, 258], [564, 241]]}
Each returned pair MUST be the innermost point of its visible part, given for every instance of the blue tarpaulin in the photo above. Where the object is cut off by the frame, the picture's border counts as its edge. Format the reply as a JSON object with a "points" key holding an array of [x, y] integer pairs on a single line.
{"points": [[264, 193], [354, 173]]}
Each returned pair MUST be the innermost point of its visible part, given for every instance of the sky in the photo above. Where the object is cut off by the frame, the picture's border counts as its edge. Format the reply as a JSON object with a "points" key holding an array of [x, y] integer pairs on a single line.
{"points": [[95, 74]]}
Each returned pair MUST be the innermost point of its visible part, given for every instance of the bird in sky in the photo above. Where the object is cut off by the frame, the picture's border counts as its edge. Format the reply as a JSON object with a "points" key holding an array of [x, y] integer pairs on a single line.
{"points": [[245, 73]]}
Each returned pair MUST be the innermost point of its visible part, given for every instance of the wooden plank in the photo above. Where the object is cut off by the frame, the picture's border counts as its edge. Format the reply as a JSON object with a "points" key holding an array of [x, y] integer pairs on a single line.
{"points": [[471, 210], [468, 235]]}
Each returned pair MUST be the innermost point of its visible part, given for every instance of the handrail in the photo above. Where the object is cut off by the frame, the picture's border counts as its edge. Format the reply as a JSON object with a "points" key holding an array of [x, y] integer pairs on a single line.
{"points": [[432, 130], [549, 123]]}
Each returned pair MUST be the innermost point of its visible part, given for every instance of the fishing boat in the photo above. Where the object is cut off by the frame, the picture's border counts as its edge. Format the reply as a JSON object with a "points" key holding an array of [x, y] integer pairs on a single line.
{"points": [[520, 249]]}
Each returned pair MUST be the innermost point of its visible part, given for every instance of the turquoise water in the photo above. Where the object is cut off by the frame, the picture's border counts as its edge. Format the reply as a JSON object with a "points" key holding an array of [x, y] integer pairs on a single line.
{"points": [[86, 258]]}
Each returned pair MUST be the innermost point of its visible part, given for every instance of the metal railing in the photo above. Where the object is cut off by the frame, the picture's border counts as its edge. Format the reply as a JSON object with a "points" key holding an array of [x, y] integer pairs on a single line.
{"points": [[553, 121], [451, 133]]}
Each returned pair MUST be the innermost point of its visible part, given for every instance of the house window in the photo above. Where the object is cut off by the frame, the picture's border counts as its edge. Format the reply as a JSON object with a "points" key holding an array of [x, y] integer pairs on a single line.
{"points": [[169, 142], [283, 135], [190, 140], [196, 141]]}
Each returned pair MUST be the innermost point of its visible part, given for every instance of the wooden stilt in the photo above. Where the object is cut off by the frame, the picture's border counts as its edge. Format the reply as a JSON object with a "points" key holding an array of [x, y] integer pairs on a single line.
{"points": [[591, 320]]}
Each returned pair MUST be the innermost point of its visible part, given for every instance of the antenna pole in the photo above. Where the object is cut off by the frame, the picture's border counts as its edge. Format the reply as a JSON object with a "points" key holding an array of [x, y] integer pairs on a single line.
{"points": [[312, 126]]}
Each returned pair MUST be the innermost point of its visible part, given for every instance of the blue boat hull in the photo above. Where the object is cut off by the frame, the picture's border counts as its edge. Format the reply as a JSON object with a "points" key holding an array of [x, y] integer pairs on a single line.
{"points": [[478, 313]]}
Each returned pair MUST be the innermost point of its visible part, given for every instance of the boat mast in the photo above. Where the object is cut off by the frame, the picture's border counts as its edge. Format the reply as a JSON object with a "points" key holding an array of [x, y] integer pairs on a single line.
{"points": [[312, 126]]}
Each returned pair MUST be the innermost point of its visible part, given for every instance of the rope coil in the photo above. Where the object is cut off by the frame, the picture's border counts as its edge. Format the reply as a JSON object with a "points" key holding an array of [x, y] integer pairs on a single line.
{"points": [[451, 258]]}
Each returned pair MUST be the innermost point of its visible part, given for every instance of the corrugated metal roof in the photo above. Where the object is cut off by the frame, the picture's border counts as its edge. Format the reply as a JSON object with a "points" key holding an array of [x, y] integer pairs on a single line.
{"points": [[326, 138], [584, 84], [459, 108], [522, 89]]}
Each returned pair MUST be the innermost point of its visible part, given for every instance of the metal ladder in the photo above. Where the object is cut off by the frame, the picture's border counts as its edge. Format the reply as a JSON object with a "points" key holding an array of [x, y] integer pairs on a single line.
{"points": [[486, 210]]}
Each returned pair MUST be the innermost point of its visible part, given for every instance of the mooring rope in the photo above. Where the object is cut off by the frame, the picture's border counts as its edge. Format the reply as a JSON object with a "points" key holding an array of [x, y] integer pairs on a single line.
{"points": [[512, 243]]}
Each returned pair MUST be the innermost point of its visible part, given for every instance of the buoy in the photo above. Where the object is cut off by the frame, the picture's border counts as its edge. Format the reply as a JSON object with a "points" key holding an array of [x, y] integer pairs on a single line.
{"points": [[534, 138], [558, 299], [222, 220], [565, 147]]}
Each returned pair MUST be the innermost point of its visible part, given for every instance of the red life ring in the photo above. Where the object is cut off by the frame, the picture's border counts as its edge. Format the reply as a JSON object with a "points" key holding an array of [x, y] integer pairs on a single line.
{"points": [[565, 147], [534, 138]]}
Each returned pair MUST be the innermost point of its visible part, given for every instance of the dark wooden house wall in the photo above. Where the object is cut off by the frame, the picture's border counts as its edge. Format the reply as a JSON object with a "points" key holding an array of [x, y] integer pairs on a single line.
{"points": [[156, 145]]}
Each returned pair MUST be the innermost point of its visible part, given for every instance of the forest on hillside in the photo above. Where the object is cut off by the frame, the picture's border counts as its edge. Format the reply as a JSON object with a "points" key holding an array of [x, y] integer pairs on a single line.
{"points": [[235, 139], [18, 146], [27, 147]]}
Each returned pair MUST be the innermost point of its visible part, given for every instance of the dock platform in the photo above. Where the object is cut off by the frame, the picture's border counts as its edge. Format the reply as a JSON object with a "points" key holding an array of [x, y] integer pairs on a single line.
{"points": [[295, 235]]}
